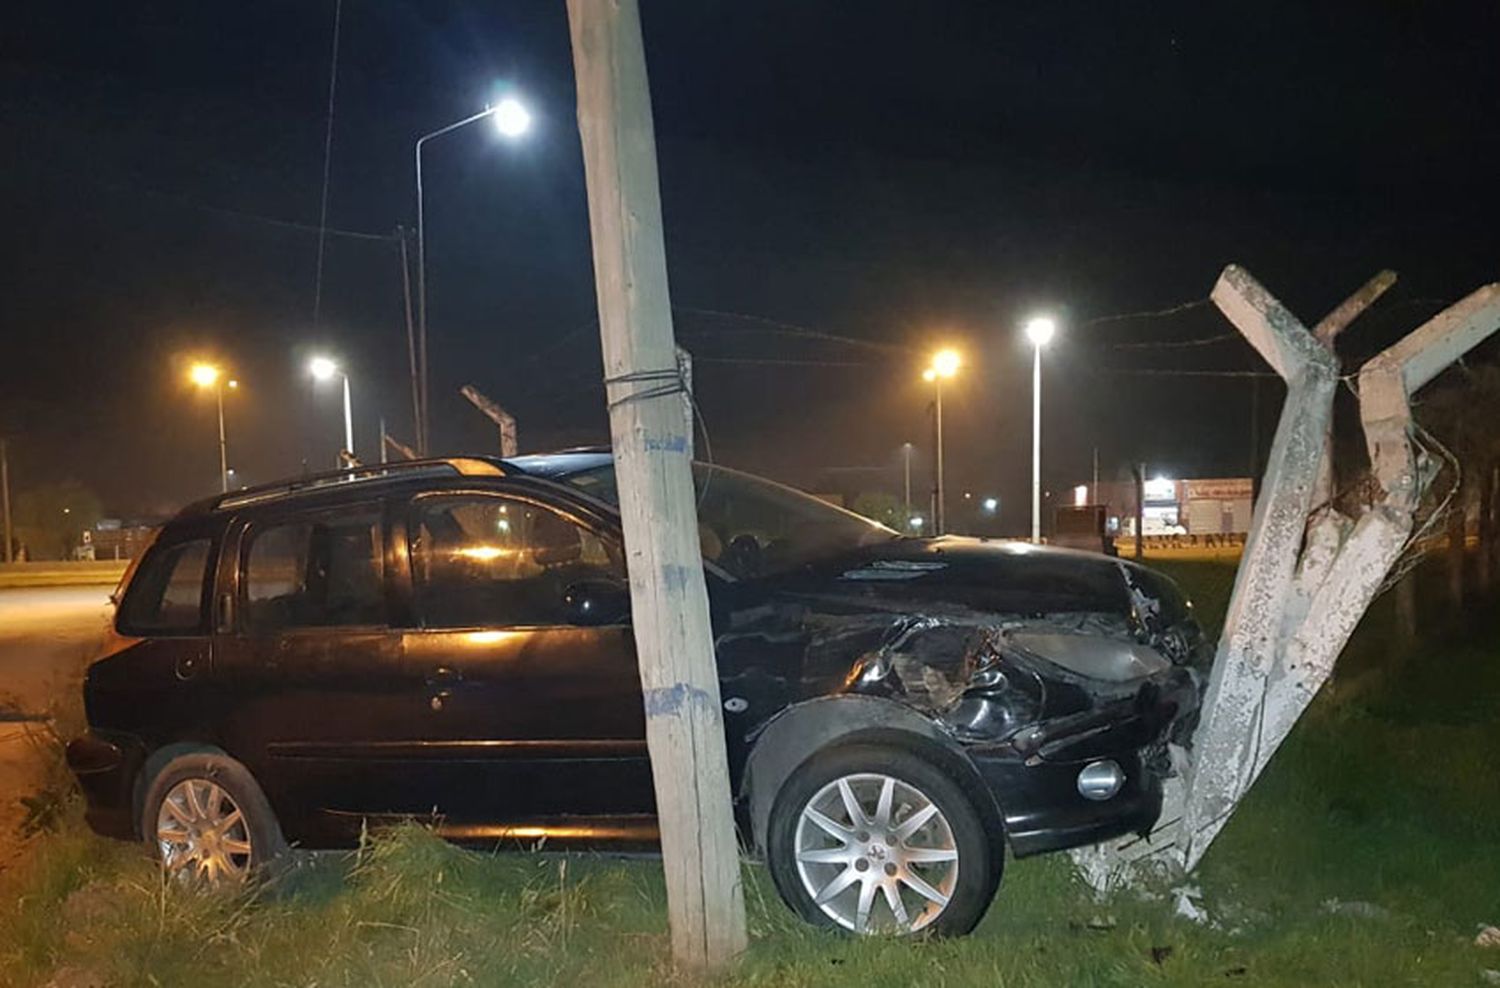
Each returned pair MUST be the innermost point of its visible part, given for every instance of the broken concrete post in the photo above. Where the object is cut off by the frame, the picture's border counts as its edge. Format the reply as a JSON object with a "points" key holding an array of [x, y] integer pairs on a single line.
{"points": [[1309, 572], [492, 411], [685, 370]]}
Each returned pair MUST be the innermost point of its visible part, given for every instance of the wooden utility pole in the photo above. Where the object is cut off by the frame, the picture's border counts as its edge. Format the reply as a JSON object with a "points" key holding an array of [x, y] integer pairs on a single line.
{"points": [[669, 603]]}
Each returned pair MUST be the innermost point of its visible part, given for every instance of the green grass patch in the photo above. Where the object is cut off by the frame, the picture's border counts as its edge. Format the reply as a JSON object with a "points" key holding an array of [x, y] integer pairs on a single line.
{"points": [[1366, 855]]}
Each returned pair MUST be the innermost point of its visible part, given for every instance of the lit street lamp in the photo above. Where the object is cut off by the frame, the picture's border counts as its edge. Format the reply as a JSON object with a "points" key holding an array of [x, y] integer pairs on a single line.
{"points": [[512, 119], [209, 376], [945, 364], [906, 458], [324, 369], [1039, 331]]}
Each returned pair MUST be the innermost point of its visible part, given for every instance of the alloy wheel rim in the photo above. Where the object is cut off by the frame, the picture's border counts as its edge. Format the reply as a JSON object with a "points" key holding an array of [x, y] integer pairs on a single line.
{"points": [[876, 854], [202, 835]]}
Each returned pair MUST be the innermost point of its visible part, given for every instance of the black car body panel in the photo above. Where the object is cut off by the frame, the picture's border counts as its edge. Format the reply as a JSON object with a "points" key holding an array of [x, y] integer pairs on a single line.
{"points": [[537, 728]]}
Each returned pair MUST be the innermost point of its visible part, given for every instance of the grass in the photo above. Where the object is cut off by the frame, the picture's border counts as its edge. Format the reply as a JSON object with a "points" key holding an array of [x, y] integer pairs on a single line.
{"points": [[1366, 855]]}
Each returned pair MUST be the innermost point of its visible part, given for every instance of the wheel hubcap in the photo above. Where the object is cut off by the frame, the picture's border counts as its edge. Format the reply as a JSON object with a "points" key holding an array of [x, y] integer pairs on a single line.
{"points": [[876, 854], [201, 833]]}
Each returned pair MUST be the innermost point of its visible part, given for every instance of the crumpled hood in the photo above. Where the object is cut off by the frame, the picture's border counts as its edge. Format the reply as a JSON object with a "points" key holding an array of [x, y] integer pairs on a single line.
{"points": [[928, 621], [993, 577]]}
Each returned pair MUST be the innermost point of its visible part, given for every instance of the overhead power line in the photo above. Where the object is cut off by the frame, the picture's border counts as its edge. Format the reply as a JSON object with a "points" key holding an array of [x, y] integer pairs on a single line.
{"points": [[780, 362], [1177, 344], [792, 329], [1170, 310], [238, 214], [333, 78], [1163, 372]]}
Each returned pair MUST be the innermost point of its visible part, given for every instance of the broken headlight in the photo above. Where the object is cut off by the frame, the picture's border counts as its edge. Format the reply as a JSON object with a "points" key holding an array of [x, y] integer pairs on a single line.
{"points": [[1111, 660]]}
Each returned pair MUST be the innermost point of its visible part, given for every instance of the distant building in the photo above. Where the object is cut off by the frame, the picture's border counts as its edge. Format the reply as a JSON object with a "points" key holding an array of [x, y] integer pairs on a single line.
{"points": [[1206, 506], [114, 538]]}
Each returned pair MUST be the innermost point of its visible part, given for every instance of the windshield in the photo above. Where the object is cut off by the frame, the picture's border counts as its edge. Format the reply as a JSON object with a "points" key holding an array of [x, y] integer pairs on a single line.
{"points": [[751, 527]]}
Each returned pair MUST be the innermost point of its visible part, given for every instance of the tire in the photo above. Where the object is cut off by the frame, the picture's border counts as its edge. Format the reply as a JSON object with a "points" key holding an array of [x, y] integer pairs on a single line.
{"points": [[208, 822], [855, 867]]}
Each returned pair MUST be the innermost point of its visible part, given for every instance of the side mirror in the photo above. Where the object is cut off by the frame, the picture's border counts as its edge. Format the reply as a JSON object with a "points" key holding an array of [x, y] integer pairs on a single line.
{"points": [[596, 602]]}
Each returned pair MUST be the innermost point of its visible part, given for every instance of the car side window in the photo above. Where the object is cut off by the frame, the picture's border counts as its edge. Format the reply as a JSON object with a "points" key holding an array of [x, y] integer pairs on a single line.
{"points": [[483, 561], [166, 597], [317, 571]]}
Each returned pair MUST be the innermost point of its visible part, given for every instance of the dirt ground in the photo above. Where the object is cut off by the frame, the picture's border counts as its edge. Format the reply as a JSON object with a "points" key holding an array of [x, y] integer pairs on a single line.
{"points": [[47, 635]]}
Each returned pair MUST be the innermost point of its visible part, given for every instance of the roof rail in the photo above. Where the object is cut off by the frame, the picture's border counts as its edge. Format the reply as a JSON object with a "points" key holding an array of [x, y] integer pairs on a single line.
{"points": [[463, 466], [586, 448]]}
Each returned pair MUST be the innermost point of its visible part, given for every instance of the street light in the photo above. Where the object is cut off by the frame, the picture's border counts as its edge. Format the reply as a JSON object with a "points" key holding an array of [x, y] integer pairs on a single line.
{"points": [[1039, 330], [208, 376], [906, 488], [512, 120], [945, 364], [325, 369]]}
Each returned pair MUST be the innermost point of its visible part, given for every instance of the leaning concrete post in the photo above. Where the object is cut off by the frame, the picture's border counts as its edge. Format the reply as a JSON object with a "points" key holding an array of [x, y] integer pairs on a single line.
{"points": [[1309, 571]]}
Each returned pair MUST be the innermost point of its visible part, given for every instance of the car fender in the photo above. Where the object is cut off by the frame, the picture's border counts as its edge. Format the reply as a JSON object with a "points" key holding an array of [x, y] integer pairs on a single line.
{"points": [[805, 729]]}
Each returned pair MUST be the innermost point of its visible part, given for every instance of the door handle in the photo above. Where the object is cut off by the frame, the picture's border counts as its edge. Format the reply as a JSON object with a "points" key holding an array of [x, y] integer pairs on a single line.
{"points": [[443, 676]]}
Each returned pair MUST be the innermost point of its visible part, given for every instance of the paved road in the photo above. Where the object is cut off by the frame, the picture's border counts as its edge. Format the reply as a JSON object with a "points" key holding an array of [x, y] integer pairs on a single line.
{"points": [[47, 636], [45, 633]]}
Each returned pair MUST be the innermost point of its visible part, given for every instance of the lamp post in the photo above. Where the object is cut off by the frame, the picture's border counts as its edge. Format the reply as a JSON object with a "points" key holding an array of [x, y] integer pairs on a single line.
{"points": [[906, 501], [323, 369], [209, 376], [512, 119], [1039, 331], [945, 364]]}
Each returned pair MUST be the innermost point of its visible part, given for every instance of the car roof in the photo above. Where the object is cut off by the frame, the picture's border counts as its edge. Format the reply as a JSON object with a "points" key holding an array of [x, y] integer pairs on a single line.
{"points": [[563, 463], [376, 477]]}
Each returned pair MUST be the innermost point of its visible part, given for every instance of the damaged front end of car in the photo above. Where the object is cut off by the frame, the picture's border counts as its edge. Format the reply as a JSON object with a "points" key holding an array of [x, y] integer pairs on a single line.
{"points": [[1066, 717]]}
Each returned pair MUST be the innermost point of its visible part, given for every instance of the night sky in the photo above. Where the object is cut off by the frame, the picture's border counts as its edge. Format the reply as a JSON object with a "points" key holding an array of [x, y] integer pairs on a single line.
{"points": [[902, 174]]}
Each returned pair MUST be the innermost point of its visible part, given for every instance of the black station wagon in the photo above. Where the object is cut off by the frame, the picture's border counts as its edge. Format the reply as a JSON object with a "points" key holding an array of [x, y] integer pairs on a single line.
{"points": [[450, 640]]}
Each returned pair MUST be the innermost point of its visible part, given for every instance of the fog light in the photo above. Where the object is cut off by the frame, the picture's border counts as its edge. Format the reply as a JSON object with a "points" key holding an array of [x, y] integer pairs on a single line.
{"points": [[1100, 780]]}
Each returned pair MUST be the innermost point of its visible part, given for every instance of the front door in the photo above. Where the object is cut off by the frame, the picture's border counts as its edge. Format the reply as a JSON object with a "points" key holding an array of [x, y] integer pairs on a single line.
{"points": [[525, 694]]}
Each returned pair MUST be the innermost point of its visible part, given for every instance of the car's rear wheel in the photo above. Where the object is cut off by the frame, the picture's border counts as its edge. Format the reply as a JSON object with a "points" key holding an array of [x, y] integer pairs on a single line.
{"points": [[878, 840], [208, 820]]}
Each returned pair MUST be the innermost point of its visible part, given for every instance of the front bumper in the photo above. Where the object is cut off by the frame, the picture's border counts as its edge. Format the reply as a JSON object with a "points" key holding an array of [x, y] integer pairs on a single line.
{"points": [[1034, 774], [106, 767], [1044, 811]]}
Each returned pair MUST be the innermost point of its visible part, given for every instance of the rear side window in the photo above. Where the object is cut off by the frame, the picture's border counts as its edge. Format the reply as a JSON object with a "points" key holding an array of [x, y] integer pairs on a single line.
{"points": [[166, 596], [321, 571]]}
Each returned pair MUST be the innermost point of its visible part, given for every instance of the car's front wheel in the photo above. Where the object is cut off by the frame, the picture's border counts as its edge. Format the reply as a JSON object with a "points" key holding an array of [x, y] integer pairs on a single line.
{"points": [[878, 840], [208, 820]]}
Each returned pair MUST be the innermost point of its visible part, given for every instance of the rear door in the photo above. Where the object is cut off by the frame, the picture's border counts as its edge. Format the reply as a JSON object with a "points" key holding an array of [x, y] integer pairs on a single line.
{"points": [[309, 666], [163, 623], [526, 698]]}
